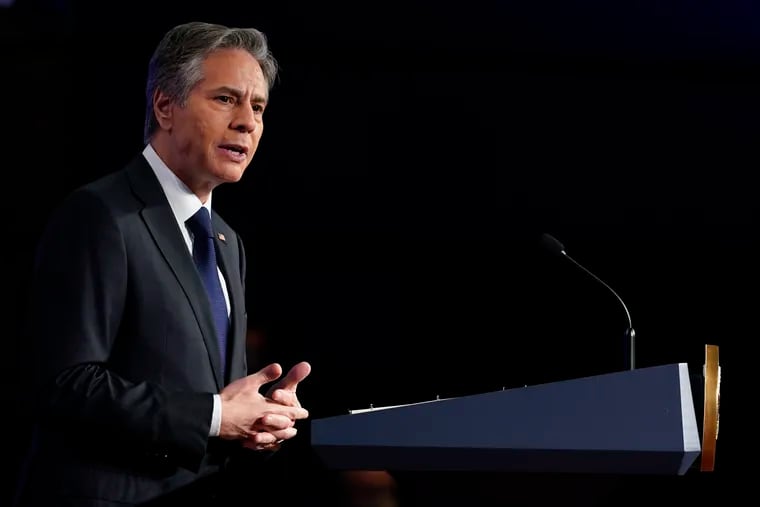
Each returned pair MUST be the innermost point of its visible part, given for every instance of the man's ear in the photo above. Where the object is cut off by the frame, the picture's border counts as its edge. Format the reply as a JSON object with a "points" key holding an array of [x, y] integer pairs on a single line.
{"points": [[163, 109]]}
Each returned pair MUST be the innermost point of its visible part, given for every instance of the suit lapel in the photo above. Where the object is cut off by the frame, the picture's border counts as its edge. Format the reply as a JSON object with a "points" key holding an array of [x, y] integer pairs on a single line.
{"points": [[160, 221]]}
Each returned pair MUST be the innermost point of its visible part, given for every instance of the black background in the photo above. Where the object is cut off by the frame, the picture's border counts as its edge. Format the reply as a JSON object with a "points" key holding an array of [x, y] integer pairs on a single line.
{"points": [[414, 153]]}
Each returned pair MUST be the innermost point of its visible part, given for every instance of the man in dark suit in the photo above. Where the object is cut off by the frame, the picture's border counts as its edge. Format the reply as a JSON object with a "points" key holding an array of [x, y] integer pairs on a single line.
{"points": [[141, 386]]}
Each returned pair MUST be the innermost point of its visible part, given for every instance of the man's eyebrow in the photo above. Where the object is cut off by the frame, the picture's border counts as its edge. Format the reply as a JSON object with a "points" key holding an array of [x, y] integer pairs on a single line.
{"points": [[260, 99], [228, 90]]}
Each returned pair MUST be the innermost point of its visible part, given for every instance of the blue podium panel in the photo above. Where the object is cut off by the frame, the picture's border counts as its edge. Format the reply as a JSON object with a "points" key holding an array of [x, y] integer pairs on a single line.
{"points": [[636, 421]]}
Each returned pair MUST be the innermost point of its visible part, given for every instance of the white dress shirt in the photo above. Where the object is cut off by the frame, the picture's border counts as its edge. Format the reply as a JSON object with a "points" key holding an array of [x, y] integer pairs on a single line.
{"points": [[184, 204]]}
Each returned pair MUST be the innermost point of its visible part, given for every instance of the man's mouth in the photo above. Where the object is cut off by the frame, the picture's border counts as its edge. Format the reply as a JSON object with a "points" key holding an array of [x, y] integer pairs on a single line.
{"points": [[236, 148]]}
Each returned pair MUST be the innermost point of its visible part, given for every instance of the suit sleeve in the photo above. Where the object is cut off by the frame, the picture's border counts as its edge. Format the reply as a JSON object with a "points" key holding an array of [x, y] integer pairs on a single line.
{"points": [[78, 293]]}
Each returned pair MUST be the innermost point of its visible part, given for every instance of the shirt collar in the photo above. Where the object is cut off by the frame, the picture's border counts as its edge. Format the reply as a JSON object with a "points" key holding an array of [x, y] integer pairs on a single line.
{"points": [[183, 201]]}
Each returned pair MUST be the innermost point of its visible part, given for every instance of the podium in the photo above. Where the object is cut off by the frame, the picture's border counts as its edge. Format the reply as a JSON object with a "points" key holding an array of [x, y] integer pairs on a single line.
{"points": [[638, 421]]}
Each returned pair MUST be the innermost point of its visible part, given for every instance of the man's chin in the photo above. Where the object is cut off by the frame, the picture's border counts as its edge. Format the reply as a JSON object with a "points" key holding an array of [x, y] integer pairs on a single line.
{"points": [[231, 174]]}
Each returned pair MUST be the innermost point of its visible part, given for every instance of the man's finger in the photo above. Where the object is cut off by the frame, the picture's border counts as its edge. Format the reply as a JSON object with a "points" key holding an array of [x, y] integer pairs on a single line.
{"points": [[272, 422], [259, 438], [295, 375], [267, 374], [286, 397]]}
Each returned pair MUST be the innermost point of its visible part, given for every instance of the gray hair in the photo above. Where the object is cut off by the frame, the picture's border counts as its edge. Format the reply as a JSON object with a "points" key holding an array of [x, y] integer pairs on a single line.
{"points": [[177, 62]]}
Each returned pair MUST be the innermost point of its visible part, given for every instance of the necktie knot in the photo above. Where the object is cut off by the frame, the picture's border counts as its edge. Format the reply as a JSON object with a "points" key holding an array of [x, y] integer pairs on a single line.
{"points": [[200, 223]]}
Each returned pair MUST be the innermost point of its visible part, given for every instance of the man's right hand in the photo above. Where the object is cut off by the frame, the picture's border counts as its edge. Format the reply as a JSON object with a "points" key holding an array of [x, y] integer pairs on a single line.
{"points": [[249, 415]]}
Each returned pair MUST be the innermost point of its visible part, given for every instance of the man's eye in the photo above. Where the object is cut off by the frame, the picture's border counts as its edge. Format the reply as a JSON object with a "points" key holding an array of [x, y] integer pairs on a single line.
{"points": [[226, 99]]}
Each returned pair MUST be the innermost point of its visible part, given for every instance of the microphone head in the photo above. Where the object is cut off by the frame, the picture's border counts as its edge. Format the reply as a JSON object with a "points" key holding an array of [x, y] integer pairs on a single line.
{"points": [[552, 244]]}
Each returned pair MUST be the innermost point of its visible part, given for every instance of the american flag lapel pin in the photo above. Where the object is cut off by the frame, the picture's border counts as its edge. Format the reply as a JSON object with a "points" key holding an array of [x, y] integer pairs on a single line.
{"points": [[221, 236]]}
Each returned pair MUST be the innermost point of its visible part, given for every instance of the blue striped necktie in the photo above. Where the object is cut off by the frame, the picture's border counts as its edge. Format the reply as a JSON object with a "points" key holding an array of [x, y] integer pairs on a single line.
{"points": [[204, 255]]}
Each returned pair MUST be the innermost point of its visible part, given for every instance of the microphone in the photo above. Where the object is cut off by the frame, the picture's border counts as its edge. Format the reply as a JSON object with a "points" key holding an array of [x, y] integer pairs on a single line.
{"points": [[557, 248]]}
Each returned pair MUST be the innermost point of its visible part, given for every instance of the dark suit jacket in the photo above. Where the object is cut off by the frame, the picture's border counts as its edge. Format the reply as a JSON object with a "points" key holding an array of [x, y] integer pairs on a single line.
{"points": [[124, 347]]}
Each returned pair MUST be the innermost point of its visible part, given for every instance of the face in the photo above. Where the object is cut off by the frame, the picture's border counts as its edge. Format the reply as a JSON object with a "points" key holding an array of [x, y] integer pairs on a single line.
{"points": [[212, 138]]}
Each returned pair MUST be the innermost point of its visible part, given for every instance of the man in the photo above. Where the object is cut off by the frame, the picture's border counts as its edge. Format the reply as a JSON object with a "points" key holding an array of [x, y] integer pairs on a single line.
{"points": [[141, 386]]}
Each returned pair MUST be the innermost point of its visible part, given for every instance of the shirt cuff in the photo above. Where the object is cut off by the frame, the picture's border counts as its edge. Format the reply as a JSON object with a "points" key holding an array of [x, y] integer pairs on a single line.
{"points": [[216, 417]]}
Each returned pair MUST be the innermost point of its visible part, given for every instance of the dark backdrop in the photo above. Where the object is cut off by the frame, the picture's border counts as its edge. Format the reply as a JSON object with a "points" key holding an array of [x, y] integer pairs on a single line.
{"points": [[414, 153]]}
